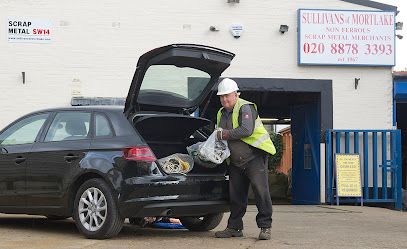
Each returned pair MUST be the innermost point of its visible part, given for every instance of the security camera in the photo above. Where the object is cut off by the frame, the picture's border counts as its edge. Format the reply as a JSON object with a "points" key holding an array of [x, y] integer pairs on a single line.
{"points": [[399, 25], [283, 28], [213, 28]]}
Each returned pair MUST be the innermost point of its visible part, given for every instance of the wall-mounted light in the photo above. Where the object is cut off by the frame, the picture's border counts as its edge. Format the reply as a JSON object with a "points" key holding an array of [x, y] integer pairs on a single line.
{"points": [[399, 36], [23, 74], [399, 25], [356, 82], [283, 28], [213, 28]]}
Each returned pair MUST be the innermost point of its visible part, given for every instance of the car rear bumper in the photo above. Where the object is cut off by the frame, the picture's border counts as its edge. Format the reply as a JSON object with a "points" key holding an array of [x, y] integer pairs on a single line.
{"points": [[174, 209], [174, 196]]}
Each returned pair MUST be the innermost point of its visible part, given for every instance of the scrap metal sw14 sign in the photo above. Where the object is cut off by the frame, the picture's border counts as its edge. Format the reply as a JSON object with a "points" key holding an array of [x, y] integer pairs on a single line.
{"points": [[29, 30]]}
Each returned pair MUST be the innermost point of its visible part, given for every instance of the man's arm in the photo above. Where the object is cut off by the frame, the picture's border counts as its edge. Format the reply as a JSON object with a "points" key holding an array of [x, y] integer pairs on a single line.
{"points": [[247, 117]]}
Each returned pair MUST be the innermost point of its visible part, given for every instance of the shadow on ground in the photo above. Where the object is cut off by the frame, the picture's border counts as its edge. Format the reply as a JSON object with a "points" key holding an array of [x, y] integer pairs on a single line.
{"points": [[67, 227]]}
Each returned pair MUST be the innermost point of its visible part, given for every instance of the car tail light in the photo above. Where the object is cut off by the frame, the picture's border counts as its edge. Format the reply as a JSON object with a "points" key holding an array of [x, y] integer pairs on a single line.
{"points": [[139, 153]]}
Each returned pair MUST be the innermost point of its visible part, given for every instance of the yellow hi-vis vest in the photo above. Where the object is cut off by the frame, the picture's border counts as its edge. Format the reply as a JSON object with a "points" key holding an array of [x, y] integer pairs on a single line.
{"points": [[260, 138]]}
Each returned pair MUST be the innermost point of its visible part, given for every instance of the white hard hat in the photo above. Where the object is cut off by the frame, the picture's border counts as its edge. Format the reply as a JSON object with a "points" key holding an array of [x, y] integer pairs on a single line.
{"points": [[227, 86]]}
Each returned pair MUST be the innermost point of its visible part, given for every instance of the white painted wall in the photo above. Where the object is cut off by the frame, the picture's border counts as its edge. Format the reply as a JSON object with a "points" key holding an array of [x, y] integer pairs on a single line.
{"points": [[96, 44], [322, 173]]}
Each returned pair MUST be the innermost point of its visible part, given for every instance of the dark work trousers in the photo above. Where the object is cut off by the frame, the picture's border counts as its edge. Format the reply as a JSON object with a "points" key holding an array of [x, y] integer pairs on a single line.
{"points": [[254, 172]]}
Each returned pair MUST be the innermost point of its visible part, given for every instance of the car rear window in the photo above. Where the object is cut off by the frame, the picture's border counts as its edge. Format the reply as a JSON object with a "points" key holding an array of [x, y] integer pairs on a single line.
{"points": [[102, 127], [183, 82]]}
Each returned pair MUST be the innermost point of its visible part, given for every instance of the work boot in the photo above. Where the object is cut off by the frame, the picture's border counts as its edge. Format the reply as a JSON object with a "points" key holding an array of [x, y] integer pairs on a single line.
{"points": [[229, 232], [265, 234]]}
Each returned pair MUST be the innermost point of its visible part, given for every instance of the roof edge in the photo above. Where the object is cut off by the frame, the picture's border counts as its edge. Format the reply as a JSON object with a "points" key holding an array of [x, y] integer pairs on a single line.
{"points": [[373, 4]]}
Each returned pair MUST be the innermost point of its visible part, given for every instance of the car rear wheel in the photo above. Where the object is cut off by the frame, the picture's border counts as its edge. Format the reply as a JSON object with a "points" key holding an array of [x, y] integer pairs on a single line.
{"points": [[95, 211], [203, 223]]}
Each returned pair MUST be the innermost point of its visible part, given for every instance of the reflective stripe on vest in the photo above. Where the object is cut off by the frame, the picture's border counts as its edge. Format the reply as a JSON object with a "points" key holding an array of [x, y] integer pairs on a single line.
{"points": [[260, 138], [257, 123]]}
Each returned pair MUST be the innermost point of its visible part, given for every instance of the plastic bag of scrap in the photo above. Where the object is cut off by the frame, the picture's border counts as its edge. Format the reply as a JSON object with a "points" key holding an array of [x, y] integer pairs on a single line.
{"points": [[212, 150], [193, 151], [176, 163]]}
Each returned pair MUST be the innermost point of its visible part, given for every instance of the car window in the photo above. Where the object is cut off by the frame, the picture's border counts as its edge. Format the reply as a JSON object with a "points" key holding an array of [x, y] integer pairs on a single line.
{"points": [[24, 131], [184, 82], [102, 127], [69, 126]]}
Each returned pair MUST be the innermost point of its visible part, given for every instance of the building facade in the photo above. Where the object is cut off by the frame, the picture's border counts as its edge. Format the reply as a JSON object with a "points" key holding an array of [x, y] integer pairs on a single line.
{"points": [[90, 49]]}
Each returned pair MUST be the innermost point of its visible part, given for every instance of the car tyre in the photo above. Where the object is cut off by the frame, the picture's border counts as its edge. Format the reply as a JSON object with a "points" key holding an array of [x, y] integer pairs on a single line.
{"points": [[95, 210], [203, 223], [136, 221]]}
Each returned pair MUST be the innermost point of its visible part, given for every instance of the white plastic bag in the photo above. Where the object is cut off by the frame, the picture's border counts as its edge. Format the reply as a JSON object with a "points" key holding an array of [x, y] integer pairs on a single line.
{"points": [[214, 150], [198, 159]]}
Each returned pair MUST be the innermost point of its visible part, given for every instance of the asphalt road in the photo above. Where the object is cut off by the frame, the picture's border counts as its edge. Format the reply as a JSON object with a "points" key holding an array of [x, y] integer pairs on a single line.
{"points": [[293, 227]]}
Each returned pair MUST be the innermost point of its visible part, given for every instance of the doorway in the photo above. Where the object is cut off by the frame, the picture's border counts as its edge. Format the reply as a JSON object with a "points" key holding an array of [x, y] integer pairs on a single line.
{"points": [[401, 117]]}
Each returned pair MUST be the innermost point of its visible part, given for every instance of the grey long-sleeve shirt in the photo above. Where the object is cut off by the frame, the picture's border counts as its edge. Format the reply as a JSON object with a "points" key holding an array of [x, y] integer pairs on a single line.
{"points": [[240, 152]]}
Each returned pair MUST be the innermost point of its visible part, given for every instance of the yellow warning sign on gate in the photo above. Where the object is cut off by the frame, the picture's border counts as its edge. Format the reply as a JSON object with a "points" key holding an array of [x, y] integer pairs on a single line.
{"points": [[348, 180]]}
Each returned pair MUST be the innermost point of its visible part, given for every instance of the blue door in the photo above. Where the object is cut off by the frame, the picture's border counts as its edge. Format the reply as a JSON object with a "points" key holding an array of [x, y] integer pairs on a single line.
{"points": [[305, 129]]}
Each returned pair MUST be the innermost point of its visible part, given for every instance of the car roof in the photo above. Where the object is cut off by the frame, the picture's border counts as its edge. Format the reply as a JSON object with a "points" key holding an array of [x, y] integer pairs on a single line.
{"points": [[103, 108]]}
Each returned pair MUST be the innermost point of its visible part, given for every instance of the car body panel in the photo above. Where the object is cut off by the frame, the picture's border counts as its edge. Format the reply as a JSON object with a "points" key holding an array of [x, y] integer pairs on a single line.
{"points": [[12, 175], [14, 159], [48, 180], [173, 194]]}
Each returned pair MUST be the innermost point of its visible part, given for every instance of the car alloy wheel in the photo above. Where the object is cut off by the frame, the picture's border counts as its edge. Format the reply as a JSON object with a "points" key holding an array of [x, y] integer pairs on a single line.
{"points": [[95, 210], [92, 209]]}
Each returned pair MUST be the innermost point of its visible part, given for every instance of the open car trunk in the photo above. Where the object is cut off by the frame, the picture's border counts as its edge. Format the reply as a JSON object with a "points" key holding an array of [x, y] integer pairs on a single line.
{"points": [[167, 134]]}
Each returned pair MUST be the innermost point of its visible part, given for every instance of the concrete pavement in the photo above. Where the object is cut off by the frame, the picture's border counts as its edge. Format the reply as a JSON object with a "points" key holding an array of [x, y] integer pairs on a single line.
{"points": [[320, 226]]}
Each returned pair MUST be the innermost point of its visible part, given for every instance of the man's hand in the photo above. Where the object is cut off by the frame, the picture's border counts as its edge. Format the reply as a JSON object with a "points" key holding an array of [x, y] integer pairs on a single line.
{"points": [[222, 134], [218, 133]]}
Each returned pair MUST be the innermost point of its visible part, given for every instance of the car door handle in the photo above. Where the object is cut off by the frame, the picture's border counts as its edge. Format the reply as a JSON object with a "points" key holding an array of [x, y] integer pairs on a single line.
{"points": [[70, 158], [19, 160]]}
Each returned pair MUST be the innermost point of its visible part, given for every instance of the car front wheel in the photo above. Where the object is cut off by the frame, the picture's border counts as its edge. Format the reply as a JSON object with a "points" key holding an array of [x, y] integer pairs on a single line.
{"points": [[203, 223], [95, 211]]}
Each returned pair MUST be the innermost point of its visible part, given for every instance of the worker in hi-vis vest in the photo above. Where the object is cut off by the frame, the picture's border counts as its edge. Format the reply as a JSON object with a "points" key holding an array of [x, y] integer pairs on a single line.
{"points": [[250, 145]]}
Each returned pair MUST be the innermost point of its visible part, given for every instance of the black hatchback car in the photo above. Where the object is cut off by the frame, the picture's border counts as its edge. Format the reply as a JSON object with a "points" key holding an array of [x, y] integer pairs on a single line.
{"points": [[99, 164]]}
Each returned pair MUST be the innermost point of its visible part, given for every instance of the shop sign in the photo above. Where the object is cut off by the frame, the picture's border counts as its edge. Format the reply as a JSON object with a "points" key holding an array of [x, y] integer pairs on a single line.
{"points": [[29, 30], [346, 37], [348, 181]]}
